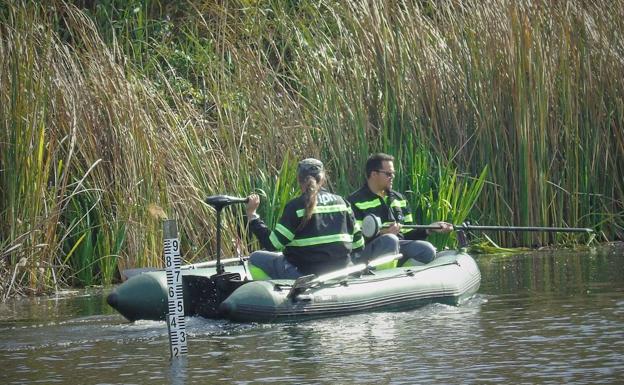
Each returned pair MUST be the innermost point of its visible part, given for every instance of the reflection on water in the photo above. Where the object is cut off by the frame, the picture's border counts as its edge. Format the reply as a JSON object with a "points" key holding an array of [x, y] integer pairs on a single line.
{"points": [[177, 371], [538, 318]]}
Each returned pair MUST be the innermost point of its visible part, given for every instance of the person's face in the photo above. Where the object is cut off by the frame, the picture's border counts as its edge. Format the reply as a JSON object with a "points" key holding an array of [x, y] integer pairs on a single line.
{"points": [[384, 175]]}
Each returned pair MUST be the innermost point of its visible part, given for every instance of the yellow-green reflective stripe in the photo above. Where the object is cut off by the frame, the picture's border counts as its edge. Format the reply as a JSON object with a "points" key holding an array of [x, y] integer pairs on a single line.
{"points": [[358, 222], [386, 224], [284, 231], [257, 274], [321, 240], [359, 243], [276, 243], [357, 227], [401, 203], [408, 218], [368, 204], [324, 209]]}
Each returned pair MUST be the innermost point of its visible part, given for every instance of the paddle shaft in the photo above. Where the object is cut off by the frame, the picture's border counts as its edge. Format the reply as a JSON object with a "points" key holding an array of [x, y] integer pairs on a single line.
{"points": [[467, 227], [306, 282], [347, 271]]}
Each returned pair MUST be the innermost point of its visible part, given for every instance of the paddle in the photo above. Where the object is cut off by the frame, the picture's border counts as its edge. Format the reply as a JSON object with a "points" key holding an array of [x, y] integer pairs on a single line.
{"points": [[309, 281], [371, 224]]}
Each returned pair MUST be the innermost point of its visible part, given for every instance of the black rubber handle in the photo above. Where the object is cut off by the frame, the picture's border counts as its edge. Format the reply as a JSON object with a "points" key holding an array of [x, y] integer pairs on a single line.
{"points": [[220, 201]]}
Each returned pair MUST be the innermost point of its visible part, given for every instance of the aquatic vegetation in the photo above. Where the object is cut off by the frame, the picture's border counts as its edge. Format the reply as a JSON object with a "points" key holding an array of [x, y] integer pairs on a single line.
{"points": [[499, 112]]}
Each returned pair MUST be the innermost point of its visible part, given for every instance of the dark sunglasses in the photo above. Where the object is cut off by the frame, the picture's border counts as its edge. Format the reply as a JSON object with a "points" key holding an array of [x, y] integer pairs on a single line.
{"points": [[386, 173]]}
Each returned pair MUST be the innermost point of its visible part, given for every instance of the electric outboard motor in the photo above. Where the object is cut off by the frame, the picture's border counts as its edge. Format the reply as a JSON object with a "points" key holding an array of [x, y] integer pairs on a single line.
{"points": [[219, 202], [214, 290], [208, 293]]}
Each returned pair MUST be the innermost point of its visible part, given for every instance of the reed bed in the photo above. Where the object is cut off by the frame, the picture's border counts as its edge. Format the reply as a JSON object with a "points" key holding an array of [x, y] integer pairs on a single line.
{"points": [[114, 116]]}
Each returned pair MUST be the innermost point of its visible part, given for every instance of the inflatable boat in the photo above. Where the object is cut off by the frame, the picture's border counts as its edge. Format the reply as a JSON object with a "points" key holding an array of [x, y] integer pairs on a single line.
{"points": [[208, 290], [451, 278]]}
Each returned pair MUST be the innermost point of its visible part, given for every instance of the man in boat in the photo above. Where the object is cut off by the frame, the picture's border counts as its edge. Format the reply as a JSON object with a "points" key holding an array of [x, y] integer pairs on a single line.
{"points": [[377, 197], [316, 233]]}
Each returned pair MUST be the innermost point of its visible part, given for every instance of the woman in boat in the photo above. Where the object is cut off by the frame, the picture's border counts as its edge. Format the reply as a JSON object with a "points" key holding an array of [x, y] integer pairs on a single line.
{"points": [[316, 233]]}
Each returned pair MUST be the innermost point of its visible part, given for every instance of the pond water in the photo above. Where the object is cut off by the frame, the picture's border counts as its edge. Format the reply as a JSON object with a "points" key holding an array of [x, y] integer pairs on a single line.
{"points": [[541, 317]]}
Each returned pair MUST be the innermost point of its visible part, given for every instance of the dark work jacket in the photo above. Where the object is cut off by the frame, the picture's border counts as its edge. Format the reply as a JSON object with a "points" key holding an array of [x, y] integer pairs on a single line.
{"points": [[392, 208], [324, 244]]}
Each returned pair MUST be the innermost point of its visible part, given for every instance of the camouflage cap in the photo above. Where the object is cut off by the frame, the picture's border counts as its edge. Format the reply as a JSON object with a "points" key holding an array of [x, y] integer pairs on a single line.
{"points": [[309, 166]]}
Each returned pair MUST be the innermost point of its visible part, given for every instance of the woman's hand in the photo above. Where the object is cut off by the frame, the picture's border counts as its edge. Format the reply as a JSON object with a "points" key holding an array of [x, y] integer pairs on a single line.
{"points": [[252, 204]]}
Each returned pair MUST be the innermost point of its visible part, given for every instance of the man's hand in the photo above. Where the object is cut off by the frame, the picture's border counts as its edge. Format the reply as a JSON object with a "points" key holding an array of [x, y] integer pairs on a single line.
{"points": [[394, 228], [252, 205], [445, 227]]}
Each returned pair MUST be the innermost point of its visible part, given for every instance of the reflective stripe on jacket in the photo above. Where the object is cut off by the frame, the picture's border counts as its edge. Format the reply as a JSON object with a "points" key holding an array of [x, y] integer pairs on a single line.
{"points": [[323, 244], [392, 208]]}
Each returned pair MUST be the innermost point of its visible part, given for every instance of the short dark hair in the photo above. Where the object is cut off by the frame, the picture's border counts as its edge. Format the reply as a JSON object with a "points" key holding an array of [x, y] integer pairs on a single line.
{"points": [[374, 162]]}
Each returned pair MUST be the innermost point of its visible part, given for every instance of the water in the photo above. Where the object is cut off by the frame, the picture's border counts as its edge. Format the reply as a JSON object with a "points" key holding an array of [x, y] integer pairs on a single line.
{"points": [[548, 318]]}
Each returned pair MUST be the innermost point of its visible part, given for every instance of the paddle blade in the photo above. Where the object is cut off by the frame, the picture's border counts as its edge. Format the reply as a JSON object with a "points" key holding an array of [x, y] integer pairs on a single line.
{"points": [[371, 225]]}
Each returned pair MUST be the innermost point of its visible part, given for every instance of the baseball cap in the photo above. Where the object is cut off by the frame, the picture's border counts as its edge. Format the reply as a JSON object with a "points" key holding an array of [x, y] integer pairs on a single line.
{"points": [[309, 166]]}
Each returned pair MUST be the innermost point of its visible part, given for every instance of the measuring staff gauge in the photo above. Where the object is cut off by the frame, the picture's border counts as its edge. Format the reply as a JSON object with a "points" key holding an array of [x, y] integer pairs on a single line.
{"points": [[175, 299]]}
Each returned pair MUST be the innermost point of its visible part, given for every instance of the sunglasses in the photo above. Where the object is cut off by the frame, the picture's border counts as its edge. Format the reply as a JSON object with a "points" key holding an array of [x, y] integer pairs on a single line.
{"points": [[386, 173]]}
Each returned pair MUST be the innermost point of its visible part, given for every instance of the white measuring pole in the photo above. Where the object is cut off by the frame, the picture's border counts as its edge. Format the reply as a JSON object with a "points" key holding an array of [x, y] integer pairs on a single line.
{"points": [[175, 318]]}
